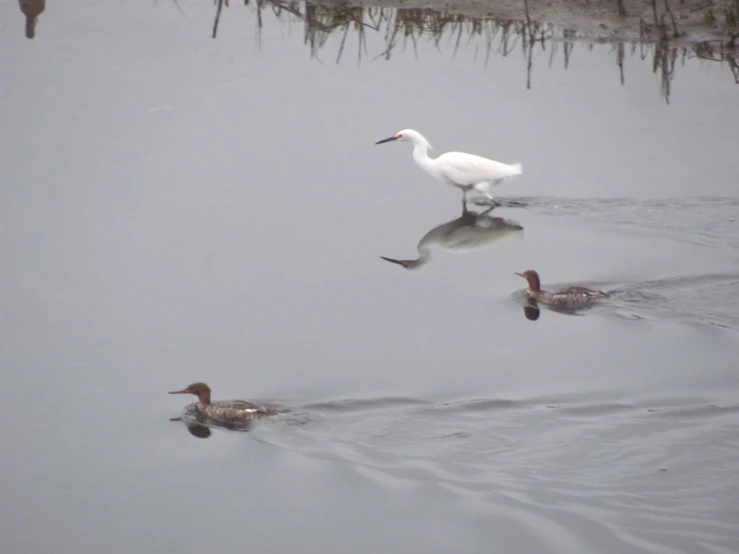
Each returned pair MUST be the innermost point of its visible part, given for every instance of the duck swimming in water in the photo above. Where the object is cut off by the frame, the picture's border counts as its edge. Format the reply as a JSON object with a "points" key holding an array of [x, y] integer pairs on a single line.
{"points": [[570, 297], [225, 411]]}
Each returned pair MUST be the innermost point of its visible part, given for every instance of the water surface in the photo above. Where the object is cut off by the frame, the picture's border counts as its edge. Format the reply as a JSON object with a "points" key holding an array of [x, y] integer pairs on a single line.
{"points": [[178, 208]]}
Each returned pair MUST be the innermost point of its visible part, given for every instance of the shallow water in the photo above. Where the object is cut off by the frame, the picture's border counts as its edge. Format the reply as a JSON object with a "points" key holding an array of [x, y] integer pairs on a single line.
{"points": [[177, 208]]}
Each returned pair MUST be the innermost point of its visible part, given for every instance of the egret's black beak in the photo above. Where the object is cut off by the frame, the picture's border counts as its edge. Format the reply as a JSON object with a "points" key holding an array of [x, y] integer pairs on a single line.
{"points": [[388, 139]]}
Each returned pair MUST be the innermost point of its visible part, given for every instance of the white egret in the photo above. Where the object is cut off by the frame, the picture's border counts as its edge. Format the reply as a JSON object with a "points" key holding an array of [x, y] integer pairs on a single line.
{"points": [[458, 169]]}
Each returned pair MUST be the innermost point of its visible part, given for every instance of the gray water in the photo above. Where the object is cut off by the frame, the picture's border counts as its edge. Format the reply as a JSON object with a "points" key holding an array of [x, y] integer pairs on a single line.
{"points": [[177, 208]]}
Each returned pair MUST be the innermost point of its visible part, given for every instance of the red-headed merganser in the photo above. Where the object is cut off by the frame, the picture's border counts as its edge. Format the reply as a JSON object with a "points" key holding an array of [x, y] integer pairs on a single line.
{"points": [[226, 411], [569, 297]]}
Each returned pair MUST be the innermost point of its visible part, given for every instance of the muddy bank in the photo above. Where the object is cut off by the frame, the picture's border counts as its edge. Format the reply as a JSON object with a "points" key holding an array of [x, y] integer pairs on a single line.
{"points": [[657, 30], [599, 20]]}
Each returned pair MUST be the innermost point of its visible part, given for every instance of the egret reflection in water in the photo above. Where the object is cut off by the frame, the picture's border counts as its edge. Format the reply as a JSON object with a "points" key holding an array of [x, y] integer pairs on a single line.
{"points": [[467, 233]]}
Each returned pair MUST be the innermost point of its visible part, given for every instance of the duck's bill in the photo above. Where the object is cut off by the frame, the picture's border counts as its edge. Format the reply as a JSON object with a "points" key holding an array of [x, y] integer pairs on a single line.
{"points": [[183, 391], [388, 139], [520, 275]]}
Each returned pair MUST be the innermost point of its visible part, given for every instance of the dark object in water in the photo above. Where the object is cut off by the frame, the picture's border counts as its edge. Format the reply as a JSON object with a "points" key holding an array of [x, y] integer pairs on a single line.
{"points": [[32, 9]]}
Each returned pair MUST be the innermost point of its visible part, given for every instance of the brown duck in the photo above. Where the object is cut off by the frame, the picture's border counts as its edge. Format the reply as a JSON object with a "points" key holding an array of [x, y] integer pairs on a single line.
{"points": [[224, 411], [570, 297]]}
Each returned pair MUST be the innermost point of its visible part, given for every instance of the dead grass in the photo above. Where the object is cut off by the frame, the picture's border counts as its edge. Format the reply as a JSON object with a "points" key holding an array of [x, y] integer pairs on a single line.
{"points": [[659, 34]]}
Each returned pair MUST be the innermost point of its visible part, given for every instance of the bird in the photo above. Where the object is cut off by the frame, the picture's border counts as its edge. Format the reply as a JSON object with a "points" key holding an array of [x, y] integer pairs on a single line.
{"points": [[458, 169], [226, 411], [471, 231], [571, 297]]}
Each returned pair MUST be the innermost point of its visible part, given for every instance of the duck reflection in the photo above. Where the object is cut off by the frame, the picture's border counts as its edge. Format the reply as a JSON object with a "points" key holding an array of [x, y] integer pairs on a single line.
{"points": [[202, 431], [32, 9], [472, 231], [197, 430], [531, 310]]}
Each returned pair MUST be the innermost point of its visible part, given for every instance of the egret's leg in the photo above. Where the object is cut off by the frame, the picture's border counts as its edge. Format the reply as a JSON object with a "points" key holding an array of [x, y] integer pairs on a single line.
{"points": [[483, 189], [490, 197], [464, 201]]}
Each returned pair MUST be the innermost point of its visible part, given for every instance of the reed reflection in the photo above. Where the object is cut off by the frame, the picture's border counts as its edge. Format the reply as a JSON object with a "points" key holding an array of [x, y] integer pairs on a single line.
{"points": [[644, 29], [470, 232]]}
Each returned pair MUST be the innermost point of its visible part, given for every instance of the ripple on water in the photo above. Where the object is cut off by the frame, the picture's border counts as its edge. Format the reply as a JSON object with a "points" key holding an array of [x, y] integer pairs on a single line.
{"points": [[707, 221], [590, 472]]}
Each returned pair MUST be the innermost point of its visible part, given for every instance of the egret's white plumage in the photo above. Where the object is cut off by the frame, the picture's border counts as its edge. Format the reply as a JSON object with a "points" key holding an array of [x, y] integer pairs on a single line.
{"points": [[458, 169]]}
